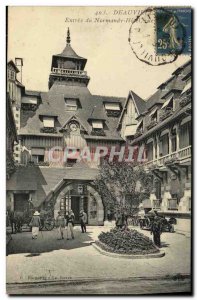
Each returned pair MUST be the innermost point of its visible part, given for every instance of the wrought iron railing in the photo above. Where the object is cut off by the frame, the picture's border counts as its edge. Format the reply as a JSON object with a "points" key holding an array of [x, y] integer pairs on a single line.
{"points": [[98, 132], [181, 154], [151, 124], [48, 130], [60, 71], [166, 113]]}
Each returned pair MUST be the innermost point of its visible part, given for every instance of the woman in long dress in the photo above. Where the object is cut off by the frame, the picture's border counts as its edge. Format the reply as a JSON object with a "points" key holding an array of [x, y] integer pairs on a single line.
{"points": [[35, 224]]}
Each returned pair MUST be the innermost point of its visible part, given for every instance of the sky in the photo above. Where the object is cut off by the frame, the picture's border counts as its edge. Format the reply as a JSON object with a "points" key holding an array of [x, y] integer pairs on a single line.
{"points": [[36, 33]]}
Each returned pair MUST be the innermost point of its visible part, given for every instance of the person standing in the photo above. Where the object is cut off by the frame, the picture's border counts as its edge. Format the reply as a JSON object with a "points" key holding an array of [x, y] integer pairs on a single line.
{"points": [[83, 220], [156, 230], [60, 223], [70, 224], [35, 224]]}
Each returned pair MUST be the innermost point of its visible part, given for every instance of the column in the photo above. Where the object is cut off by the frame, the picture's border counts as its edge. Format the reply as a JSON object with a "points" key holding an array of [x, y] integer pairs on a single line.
{"points": [[177, 136], [157, 141], [81, 203]]}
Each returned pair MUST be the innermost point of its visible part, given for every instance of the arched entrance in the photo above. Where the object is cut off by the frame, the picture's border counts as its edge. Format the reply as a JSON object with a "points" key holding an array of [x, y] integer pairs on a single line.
{"points": [[77, 196]]}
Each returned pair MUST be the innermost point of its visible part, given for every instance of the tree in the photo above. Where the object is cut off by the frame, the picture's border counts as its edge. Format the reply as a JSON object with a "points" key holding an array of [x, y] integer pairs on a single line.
{"points": [[123, 185]]}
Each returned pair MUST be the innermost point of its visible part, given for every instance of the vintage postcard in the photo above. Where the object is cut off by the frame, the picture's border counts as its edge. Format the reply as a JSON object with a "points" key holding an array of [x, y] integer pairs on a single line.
{"points": [[99, 149]]}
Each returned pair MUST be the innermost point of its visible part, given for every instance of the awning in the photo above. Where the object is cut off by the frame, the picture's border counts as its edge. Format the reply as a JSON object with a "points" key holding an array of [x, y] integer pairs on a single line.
{"points": [[112, 106], [164, 132], [37, 151], [186, 120], [29, 100], [166, 102], [153, 111], [139, 124], [187, 87], [130, 130], [97, 124]]}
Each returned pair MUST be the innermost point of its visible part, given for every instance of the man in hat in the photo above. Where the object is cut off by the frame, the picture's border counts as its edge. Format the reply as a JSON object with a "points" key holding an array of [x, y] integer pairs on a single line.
{"points": [[156, 230], [60, 223], [83, 220], [35, 224]]}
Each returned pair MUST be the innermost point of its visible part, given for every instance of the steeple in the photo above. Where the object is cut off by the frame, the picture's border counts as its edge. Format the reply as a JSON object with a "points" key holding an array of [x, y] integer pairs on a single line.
{"points": [[68, 39], [68, 66]]}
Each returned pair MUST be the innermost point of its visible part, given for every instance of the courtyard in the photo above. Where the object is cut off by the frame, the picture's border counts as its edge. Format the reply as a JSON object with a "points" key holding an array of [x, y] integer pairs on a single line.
{"points": [[49, 262]]}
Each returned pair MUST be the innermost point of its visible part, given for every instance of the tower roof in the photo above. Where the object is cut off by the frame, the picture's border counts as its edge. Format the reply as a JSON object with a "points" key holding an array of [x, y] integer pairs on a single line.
{"points": [[68, 51]]}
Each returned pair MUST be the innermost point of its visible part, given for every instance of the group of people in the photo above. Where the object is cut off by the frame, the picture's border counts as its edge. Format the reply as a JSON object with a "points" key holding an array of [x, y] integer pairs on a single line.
{"points": [[62, 222]]}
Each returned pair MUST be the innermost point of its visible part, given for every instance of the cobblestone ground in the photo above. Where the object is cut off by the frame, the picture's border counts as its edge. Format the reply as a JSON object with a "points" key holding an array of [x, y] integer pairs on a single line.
{"points": [[48, 259]]}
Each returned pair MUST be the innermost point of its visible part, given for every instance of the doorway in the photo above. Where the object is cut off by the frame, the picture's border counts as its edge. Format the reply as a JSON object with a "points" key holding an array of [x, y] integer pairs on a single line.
{"points": [[75, 203]]}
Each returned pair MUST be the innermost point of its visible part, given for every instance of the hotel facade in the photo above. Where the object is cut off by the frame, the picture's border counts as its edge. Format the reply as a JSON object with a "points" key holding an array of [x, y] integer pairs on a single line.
{"points": [[68, 115]]}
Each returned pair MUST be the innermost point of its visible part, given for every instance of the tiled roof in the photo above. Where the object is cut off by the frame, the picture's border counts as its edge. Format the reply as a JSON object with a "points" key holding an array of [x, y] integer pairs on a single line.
{"points": [[139, 103], [13, 65], [53, 102], [45, 179], [68, 52]]}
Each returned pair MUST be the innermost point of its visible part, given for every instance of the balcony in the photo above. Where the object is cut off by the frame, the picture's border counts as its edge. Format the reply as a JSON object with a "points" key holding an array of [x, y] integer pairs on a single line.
{"points": [[29, 106], [151, 124], [48, 130], [185, 100], [179, 155], [98, 132], [138, 133], [69, 72], [172, 204], [113, 113], [166, 113]]}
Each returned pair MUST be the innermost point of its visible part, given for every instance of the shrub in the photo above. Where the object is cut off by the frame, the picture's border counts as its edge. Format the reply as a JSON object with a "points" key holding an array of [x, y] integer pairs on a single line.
{"points": [[126, 242]]}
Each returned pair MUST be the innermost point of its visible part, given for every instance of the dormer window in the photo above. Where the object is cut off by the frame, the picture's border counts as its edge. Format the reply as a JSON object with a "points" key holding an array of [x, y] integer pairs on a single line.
{"points": [[153, 114], [11, 75], [97, 124], [188, 85], [71, 104], [112, 109], [48, 122], [97, 128], [168, 104]]}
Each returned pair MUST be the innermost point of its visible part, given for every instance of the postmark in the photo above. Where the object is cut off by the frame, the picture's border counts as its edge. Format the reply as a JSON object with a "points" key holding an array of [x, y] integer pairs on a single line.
{"points": [[153, 39]]}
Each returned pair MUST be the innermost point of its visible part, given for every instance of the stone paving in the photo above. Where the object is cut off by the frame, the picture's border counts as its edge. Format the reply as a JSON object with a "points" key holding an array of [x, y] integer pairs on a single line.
{"points": [[49, 259]]}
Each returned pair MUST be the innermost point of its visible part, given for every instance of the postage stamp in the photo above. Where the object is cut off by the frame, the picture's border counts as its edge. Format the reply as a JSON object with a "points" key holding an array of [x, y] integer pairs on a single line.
{"points": [[173, 30], [158, 36]]}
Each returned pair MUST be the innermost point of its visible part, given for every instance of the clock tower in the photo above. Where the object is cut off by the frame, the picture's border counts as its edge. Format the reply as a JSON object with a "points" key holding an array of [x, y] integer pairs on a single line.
{"points": [[68, 66]]}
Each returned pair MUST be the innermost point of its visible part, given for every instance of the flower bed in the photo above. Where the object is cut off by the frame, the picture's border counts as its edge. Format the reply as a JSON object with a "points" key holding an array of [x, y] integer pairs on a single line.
{"points": [[126, 242]]}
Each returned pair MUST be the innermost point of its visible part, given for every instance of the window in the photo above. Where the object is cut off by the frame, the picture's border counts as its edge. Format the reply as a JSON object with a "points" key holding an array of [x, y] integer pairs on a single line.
{"points": [[173, 140], [37, 158], [149, 152], [153, 114], [168, 104], [48, 122], [164, 145], [185, 135], [71, 104], [97, 124], [11, 75], [140, 126], [71, 161]]}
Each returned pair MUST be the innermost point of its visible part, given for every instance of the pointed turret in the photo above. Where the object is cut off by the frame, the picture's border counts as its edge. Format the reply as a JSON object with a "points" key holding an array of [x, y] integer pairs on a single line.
{"points": [[68, 66]]}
